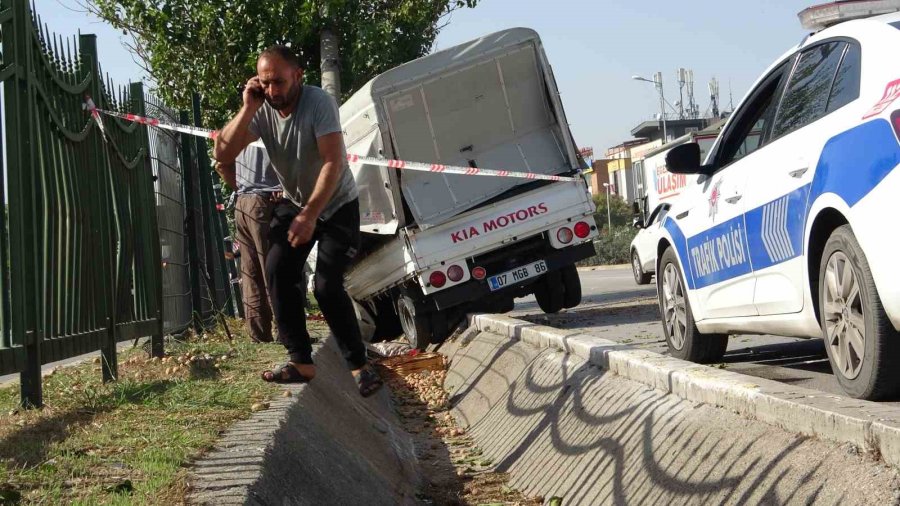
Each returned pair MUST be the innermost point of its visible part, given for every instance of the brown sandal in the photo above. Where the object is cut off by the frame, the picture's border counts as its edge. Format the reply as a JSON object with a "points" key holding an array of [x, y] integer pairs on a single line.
{"points": [[368, 381], [293, 375]]}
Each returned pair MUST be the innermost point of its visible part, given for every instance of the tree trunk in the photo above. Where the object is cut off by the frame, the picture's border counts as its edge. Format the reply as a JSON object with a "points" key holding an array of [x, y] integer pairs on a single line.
{"points": [[330, 64]]}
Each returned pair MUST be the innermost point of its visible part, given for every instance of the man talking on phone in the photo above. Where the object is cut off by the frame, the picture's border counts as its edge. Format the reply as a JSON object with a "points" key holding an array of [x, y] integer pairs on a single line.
{"points": [[300, 128]]}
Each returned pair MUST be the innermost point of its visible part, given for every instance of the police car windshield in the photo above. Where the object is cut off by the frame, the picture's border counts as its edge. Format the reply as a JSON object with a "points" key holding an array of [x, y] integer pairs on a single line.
{"points": [[896, 24]]}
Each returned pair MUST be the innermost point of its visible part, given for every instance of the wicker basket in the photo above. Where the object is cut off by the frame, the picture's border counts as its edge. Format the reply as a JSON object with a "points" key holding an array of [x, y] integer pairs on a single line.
{"points": [[406, 365]]}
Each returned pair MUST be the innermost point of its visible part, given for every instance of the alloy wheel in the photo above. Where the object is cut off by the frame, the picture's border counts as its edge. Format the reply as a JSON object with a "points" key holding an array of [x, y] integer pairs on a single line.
{"points": [[845, 324], [674, 306]]}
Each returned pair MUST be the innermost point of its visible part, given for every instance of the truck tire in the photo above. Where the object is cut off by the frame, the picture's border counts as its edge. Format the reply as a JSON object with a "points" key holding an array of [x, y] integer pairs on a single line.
{"points": [[571, 285], [862, 345], [550, 292], [416, 326], [640, 277], [682, 337]]}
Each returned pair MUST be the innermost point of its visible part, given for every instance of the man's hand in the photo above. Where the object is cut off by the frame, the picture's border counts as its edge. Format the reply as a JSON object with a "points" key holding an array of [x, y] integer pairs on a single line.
{"points": [[301, 231], [237, 135], [254, 94]]}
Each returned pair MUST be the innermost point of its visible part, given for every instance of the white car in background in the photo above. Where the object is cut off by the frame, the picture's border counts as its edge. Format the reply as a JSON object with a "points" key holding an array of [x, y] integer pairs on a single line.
{"points": [[790, 227], [644, 244]]}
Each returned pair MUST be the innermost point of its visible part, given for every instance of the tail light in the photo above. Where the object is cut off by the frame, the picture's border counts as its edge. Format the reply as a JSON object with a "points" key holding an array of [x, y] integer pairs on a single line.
{"points": [[455, 273], [437, 279], [582, 229], [895, 120], [564, 235], [479, 273]]}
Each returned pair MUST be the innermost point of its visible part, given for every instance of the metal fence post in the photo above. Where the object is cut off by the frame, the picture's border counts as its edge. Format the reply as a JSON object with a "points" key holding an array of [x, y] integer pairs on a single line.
{"points": [[24, 279], [215, 247], [136, 91], [109, 359], [189, 181]]}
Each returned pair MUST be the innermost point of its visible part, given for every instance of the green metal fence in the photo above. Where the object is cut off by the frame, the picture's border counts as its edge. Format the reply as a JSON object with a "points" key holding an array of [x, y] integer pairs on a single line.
{"points": [[81, 264]]}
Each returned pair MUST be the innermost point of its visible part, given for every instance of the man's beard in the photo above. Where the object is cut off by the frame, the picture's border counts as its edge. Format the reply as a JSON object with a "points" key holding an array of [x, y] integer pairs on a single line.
{"points": [[286, 101]]}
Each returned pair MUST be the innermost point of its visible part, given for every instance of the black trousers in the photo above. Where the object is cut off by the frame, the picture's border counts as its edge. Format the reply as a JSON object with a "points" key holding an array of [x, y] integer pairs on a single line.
{"points": [[338, 238]]}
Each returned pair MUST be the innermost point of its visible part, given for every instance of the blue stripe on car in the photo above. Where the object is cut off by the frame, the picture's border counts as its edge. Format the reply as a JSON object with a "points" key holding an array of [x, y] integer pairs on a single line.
{"points": [[719, 253], [681, 246], [777, 229], [852, 164]]}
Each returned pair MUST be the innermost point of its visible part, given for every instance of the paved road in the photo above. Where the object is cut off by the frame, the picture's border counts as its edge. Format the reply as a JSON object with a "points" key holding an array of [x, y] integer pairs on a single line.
{"points": [[616, 308]]}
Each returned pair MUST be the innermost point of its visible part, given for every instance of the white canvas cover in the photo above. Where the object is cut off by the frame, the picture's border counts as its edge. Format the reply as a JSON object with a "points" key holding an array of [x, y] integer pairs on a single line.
{"points": [[491, 102]]}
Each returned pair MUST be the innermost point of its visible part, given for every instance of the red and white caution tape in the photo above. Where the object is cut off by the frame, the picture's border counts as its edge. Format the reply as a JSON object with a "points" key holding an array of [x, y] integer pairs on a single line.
{"points": [[365, 160], [451, 169]]}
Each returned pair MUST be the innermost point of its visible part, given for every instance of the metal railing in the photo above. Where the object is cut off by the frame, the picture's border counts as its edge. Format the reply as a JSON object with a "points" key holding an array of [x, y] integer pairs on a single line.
{"points": [[99, 233]]}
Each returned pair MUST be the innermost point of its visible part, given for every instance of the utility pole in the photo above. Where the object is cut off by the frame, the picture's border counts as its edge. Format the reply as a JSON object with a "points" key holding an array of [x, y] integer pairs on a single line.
{"points": [[329, 51], [657, 79], [608, 215], [330, 66]]}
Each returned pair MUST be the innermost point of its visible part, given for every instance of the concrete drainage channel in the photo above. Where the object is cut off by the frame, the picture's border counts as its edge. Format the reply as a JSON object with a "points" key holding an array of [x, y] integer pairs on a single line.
{"points": [[323, 445], [572, 416]]}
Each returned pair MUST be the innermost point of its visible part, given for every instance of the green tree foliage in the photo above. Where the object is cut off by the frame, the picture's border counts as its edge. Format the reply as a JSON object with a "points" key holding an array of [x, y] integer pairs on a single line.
{"points": [[619, 211], [612, 248], [210, 46]]}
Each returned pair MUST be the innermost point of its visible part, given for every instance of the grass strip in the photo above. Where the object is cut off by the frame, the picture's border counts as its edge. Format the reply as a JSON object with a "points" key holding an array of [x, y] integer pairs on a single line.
{"points": [[131, 441]]}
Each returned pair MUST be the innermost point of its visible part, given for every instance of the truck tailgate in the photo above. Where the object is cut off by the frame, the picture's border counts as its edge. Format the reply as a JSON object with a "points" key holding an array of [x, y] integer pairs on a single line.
{"points": [[487, 228]]}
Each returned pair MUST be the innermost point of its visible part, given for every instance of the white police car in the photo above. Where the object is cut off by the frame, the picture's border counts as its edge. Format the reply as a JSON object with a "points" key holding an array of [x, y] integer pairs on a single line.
{"points": [[643, 246], [791, 226]]}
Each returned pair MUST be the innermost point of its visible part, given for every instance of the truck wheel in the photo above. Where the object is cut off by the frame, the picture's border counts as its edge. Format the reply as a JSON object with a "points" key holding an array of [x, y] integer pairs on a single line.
{"points": [[571, 285], [862, 345], [682, 337], [550, 292], [640, 277], [506, 305], [416, 327]]}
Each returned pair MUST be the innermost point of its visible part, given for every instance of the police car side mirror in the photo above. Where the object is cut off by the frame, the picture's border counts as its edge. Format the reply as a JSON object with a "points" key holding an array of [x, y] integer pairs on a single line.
{"points": [[684, 159], [637, 223]]}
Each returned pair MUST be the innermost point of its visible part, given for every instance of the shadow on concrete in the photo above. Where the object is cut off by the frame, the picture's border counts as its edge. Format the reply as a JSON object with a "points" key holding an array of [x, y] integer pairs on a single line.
{"points": [[563, 427], [323, 445], [598, 317]]}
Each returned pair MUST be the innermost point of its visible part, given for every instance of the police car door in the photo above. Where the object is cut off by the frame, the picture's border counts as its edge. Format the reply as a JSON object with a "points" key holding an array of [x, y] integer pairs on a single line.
{"points": [[779, 186], [723, 282]]}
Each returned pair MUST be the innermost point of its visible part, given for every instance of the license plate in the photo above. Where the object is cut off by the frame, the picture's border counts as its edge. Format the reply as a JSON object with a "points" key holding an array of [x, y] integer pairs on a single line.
{"points": [[518, 274]]}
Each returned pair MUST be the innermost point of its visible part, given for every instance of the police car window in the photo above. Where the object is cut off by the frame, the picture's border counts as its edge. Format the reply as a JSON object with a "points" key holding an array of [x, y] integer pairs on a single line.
{"points": [[663, 211], [806, 97], [654, 216], [846, 83], [754, 120], [896, 25]]}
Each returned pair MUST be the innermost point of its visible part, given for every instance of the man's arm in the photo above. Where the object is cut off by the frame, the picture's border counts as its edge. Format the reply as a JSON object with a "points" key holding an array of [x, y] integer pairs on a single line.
{"points": [[332, 153], [236, 135], [228, 174]]}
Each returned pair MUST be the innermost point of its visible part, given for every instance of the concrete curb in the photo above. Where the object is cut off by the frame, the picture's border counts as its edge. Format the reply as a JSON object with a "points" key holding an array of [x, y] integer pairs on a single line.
{"points": [[868, 425]]}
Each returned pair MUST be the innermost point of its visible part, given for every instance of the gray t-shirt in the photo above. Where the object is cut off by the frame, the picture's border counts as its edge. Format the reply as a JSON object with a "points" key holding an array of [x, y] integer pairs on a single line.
{"points": [[291, 145], [254, 172]]}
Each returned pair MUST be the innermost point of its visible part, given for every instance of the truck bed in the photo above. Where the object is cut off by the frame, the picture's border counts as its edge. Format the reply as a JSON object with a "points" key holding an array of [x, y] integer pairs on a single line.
{"points": [[470, 234]]}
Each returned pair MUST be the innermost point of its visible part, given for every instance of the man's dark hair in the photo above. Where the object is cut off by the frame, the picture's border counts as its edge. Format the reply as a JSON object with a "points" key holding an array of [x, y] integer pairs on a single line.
{"points": [[283, 52]]}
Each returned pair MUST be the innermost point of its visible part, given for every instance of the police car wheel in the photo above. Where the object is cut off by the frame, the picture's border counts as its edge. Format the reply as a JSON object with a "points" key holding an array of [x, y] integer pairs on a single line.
{"points": [[640, 277], [862, 345], [416, 327], [682, 337]]}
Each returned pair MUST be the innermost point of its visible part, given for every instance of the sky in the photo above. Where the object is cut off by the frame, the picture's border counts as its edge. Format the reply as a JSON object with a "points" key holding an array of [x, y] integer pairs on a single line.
{"points": [[594, 46]]}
